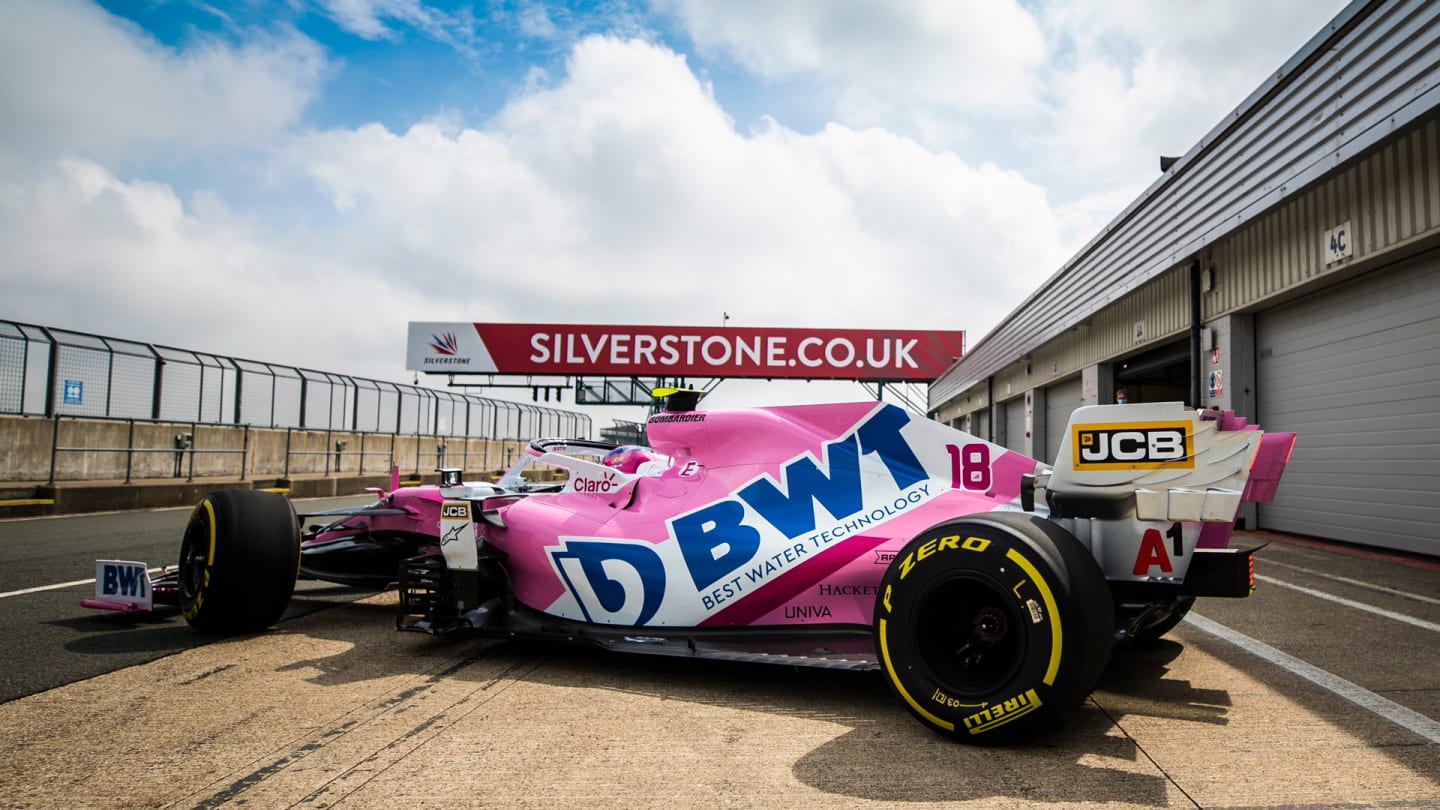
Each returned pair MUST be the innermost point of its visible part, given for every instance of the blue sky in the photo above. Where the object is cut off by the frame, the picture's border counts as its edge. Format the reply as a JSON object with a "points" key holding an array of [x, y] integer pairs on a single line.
{"points": [[295, 181]]}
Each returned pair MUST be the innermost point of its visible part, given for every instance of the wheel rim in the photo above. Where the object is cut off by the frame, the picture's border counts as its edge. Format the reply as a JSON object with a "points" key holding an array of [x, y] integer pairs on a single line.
{"points": [[969, 635], [194, 554]]}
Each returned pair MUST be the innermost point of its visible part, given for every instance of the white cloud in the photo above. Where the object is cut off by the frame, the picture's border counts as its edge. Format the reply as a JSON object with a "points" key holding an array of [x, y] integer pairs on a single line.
{"points": [[360, 17], [368, 19], [1134, 80], [881, 60], [621, 194], [625, 193], [1087, 93], [621, 191], [87, 251], [534, 20], [77, 79]]}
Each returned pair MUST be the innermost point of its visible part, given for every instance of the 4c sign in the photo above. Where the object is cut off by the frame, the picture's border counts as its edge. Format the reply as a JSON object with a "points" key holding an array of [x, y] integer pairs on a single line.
{"points": [[1139, 446]]}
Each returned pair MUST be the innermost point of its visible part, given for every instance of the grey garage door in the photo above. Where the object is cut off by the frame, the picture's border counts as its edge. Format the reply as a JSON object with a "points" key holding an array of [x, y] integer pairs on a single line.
{"points": [[1355, 371], [1061, 399], [980, 424], [1015, 424]]}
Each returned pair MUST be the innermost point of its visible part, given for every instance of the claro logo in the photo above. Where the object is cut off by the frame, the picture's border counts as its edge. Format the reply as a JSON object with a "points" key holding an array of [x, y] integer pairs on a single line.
{"points": [[1140, 446], [597, 486]]}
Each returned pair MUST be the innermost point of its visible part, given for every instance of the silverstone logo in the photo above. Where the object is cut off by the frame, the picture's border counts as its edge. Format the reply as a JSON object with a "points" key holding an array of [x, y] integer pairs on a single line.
{"points": [[445, 344], [446, 348]]}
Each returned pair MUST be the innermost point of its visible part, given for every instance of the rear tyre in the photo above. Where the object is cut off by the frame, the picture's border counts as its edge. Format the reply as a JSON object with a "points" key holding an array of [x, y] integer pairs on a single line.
{"points": [[238, 561], [990, 627]]}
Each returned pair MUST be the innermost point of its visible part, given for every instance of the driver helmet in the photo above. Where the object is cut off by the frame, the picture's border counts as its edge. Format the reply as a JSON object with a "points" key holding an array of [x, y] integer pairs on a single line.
{"points": [[627, 458]]}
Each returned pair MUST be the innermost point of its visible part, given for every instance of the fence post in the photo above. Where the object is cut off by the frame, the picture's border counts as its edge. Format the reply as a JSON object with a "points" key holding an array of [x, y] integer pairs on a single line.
{"points": [[156, 396], [244, 451], [52, 371], [494, 432], [190, 472], [130, 451], [287, 452], [239, 397], [54, 445], [304, 395]]}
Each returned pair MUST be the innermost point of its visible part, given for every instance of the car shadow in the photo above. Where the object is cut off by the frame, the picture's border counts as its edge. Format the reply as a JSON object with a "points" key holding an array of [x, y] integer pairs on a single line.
{"points": [[1086, 759], [1137, 682], [125, 634], [163, 630]]}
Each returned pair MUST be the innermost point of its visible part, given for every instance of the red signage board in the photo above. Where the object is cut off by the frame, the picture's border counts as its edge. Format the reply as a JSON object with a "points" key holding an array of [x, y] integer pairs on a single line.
{"points": [[696, 351]]}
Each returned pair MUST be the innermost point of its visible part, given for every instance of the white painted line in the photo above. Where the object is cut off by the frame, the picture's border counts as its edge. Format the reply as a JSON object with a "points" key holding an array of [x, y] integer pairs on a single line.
{"points": [[60, 585], [1330, 597], [1407, 719], [1357, 583], [49, 587]]}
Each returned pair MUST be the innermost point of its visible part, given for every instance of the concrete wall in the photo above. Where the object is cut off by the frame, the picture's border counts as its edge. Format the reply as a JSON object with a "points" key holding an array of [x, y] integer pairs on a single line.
{"points": [[114, 450]]}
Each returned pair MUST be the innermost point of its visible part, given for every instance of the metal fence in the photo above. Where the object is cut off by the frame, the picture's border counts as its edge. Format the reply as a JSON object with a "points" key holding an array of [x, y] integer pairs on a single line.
{"points": [[52, 372]]}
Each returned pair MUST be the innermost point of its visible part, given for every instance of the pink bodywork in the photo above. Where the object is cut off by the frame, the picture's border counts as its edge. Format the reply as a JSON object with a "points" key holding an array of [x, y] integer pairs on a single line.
{"points": [[818, 579], [828, 575]]}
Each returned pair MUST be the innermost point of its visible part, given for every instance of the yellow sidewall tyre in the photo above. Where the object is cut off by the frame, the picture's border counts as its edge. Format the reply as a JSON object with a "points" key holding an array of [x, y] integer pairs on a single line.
{"points": [[990, 627], [239, 560]]}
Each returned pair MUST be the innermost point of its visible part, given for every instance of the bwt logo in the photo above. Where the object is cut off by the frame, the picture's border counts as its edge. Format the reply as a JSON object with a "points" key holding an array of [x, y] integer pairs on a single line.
{"points": [[1150, 445], [624, 582], [124, 580], [455, 510]]}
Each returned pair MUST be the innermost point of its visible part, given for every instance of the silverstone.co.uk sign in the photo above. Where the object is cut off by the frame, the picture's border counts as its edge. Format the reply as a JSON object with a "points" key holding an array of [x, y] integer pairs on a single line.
{"points": [[514, 348]]}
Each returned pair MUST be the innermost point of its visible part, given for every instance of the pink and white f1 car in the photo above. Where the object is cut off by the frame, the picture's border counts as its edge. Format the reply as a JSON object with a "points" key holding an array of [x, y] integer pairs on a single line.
{"points": [[987, 587]]}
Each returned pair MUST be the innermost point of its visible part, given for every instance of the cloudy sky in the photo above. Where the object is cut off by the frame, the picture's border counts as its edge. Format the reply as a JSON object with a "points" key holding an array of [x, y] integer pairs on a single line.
{"points": [[294, 181]]}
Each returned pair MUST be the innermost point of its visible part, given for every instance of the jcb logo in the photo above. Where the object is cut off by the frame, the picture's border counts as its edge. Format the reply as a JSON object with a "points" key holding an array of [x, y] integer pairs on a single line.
{"points": [[1149, 445], [455, 510]]}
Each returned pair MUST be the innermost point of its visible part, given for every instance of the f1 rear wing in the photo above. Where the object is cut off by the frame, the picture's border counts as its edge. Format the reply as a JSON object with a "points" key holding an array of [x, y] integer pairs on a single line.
{"points": [[1154, 489], [1161, 461]]}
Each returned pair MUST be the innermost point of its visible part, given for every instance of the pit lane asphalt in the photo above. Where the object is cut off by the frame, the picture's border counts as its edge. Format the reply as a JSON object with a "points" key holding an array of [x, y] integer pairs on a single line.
{"points": [[1321, 690], [49, 640]]}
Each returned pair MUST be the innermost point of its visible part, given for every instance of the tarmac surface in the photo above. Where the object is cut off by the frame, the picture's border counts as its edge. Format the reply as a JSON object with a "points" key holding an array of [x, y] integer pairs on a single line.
{"points": [[1321, 690]]}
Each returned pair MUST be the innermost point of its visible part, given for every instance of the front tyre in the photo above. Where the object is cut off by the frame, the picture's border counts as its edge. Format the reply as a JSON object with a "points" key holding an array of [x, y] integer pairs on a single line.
{"points": [[990, 627], [238, 561]]}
